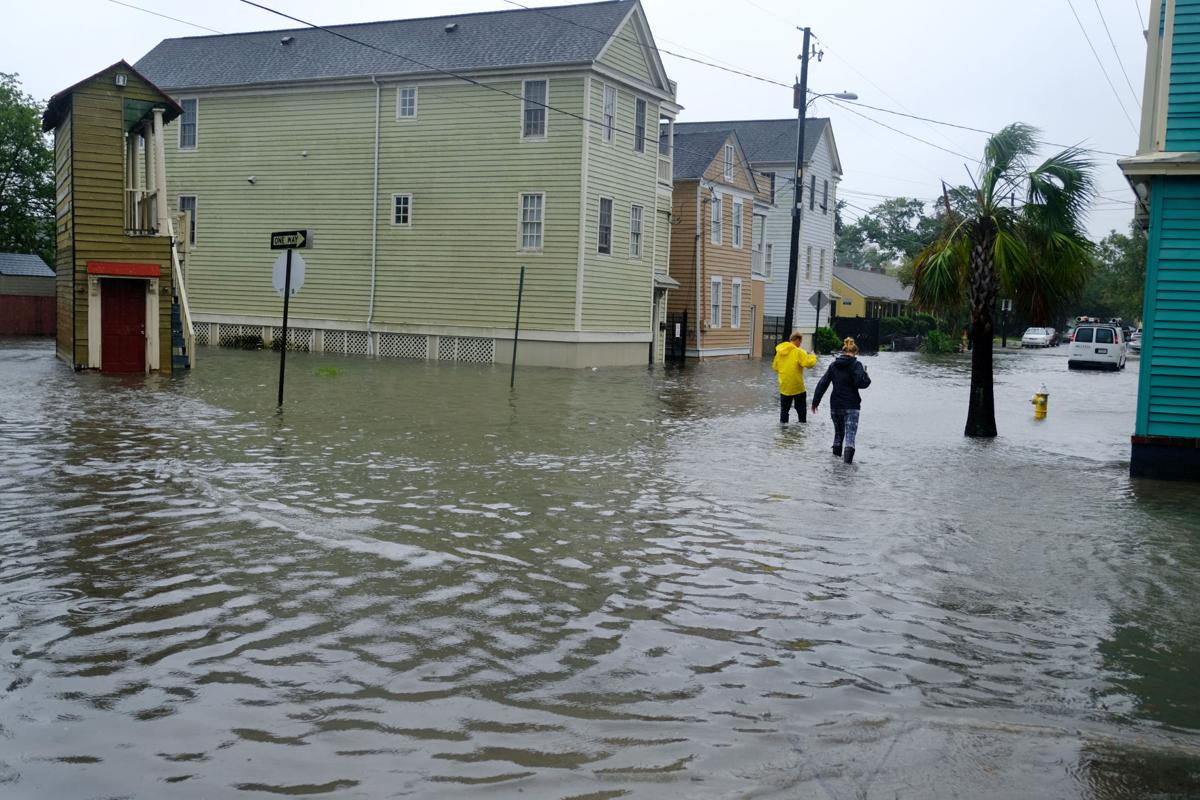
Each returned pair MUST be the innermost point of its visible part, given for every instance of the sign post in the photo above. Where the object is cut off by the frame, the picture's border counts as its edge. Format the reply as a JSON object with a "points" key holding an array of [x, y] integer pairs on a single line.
{"points": [[818, 301], [287, 240]]}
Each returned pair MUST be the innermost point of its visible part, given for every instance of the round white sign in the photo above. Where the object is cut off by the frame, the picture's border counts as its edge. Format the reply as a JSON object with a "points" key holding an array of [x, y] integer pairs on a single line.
{"points": [[279, 273]]}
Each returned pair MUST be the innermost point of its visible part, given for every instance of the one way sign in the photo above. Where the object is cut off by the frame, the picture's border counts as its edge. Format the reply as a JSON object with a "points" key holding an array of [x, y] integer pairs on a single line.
{"points": [[289, 240]]}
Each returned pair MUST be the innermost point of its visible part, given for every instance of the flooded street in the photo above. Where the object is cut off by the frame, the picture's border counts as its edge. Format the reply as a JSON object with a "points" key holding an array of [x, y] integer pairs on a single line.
{"points": [[616, 583]]}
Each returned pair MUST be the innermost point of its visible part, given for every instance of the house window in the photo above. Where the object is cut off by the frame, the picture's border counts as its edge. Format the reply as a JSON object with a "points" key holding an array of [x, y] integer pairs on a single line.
{"points": [[808, 266], [768, 267], [717, 233], [532, 205], [821, 274], [187, 123], [406, 102], [735, 304], [610, 112], [604, 243], [812, 192], [772, 177], [728, 162], [402, 209], [533, 109], [635, 231], [639, 125], [187, 205], [714, 311], [825, 198], [737, 223]]}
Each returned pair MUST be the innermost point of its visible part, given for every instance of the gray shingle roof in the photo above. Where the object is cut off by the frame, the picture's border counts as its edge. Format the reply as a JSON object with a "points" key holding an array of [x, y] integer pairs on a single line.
{"points": [[765, 141], [517, 37], [24, 265], [873, 284], [694, 152]]}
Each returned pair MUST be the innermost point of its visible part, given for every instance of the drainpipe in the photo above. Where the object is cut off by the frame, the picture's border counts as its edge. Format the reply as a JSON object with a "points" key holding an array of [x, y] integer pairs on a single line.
{"points": [[374, 223], [699, 246]]}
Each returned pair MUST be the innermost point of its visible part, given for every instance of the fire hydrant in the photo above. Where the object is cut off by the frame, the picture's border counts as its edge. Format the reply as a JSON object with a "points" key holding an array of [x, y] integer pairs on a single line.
{"points": [[1041, 399]]}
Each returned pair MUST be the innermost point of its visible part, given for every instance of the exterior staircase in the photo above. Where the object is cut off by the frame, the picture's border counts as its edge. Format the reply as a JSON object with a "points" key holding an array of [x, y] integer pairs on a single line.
{"points": [[183, 334]]}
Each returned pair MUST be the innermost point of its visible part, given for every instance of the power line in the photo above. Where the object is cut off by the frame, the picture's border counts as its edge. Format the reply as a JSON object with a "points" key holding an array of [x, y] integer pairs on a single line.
{"points": [[164, 16], [1100, 63], [896, 130], [1120, 63], [1141, 17]]}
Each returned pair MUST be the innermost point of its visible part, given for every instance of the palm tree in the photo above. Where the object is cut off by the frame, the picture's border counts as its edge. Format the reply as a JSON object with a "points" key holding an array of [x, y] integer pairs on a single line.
{"points": [[1020, 230]]}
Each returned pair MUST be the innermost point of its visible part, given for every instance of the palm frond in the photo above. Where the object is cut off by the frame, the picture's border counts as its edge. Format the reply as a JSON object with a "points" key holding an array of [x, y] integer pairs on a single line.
{"points": [[1004, 160], [1061, 189], [940, 273]]}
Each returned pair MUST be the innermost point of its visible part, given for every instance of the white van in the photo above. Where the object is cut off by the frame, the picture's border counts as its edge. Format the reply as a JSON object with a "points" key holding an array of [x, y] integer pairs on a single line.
{"points": [[1097, 347]]}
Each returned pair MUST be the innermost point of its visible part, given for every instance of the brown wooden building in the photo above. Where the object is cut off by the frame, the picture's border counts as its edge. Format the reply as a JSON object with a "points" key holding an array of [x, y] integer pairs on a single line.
{"points": [[119, 279], [26, 296], [713, 241]]}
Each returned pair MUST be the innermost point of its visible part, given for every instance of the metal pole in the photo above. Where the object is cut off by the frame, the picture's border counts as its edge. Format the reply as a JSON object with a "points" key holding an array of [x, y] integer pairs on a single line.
{"points": [[287, 293], [817, 324], [797, 188], [512, 377]]}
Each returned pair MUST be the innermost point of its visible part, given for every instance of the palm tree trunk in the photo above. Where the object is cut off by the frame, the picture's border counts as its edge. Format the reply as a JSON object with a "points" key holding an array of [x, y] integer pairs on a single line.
{"points": [[981, 410]]}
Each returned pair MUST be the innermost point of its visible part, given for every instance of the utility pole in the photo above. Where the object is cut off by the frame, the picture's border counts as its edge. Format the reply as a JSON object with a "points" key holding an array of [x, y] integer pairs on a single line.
{"points": [[801, 102]]}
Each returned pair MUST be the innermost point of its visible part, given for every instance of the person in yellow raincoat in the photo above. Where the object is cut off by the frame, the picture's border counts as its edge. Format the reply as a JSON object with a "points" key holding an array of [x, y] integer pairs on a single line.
{"points": [[790, 362]]}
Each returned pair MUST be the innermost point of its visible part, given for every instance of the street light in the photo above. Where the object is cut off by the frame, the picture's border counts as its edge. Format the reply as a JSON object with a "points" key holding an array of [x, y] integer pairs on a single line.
{"points": [[801, 102]]}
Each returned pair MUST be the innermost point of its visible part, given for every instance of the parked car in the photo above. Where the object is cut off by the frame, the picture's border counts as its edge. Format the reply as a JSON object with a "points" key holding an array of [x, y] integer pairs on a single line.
{"points": [[1097, 346], [1037, 337], [1055, 339], [1135, 341]]}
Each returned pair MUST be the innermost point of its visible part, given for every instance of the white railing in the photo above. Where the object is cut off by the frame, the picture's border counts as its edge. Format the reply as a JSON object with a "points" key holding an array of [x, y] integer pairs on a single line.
{"points": [[141, 212], [185, 311], [664, 170]]}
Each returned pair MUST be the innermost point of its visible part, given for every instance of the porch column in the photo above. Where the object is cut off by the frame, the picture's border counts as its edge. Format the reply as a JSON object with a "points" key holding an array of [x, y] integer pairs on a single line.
{"points": [[160, 175]]}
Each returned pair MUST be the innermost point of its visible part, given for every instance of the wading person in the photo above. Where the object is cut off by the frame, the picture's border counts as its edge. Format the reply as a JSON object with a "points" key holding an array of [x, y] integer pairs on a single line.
{"points": [[848, 375], [790, 362]]}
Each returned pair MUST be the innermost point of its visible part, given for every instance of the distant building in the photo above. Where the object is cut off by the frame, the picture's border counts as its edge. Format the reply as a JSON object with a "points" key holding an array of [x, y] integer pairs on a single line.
{"points": [[1165, 175], [770, 146], [26, 296], [872, 295], [718, 203]]}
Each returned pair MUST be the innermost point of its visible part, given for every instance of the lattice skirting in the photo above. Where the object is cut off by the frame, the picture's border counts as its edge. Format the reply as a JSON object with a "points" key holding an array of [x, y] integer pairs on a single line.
{"points": [[471, 349]]}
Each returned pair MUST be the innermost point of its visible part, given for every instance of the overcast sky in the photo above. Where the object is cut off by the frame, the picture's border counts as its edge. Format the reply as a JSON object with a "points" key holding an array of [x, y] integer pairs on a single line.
{"points": [[978, 63]]}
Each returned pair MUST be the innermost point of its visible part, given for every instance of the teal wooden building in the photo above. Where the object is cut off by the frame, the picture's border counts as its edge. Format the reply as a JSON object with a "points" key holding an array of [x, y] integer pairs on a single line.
{"points": [[1165, 174]]}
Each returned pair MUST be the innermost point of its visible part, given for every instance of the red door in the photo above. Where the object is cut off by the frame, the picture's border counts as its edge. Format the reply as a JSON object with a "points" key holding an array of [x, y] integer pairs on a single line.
{"points": [[123, 325]]}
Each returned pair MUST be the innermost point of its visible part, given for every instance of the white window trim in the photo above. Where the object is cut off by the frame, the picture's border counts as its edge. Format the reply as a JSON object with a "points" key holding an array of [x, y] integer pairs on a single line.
{"points": [[735, 304], [641, 228], [808, 264], [195, 125], [641, 142], [768, 256], [410, 210], [716, 233], [545, 112], [821, 273], [521, 221], [609, 131], [728, 165], [715, 301], [416, 101], [737, 235], [195, 215], [611, 226]]}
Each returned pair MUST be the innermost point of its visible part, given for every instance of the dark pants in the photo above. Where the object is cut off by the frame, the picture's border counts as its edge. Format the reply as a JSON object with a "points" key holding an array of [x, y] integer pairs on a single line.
{"points": [[785, 406], [845, 426]]}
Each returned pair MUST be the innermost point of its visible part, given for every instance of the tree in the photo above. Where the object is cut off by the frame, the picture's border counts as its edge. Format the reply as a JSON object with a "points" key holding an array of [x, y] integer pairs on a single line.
{"points": [[26, 175], [1117, 282], [1020, 230]]}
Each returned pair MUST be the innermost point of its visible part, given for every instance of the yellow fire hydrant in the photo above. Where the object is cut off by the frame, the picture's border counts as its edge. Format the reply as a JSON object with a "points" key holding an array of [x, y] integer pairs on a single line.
{"points": [[1041, 399]]}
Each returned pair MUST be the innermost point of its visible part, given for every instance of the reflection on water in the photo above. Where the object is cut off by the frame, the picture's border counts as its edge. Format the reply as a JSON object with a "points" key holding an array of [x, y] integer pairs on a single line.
{"points": [[619, 583]]}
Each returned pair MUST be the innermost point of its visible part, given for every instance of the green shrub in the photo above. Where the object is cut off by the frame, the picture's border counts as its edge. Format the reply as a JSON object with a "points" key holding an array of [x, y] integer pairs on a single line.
{"points": [[923, 323], [937, 342], [826, 340]]}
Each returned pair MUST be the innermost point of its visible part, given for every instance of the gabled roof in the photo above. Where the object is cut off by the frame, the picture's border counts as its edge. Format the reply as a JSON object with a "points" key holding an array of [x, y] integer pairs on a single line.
{"points": [[689, 162], [520, 37], [57, 106], [874, 285], [25, 265], [766, 141]]}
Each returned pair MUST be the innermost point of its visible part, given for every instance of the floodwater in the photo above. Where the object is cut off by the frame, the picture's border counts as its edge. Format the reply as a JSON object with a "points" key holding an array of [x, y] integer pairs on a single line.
{"points": [[616, 583]]}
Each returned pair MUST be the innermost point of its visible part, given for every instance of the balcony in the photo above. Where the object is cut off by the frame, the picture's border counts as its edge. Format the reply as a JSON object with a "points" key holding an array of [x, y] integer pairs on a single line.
{"points": [[141, 212]]}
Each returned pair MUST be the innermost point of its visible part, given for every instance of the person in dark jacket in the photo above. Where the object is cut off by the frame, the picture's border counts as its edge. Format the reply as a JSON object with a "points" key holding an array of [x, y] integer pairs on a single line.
{"points": [[847, 375]]}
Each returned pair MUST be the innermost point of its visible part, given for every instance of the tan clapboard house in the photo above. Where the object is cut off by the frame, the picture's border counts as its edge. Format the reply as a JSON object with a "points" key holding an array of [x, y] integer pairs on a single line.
{"points": [[121, 304], [716, 200], [430, 159]]}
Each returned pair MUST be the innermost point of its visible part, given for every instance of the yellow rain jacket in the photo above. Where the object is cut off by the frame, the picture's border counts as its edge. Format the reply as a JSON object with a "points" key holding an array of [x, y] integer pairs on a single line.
{"points": [[790, 362]]}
